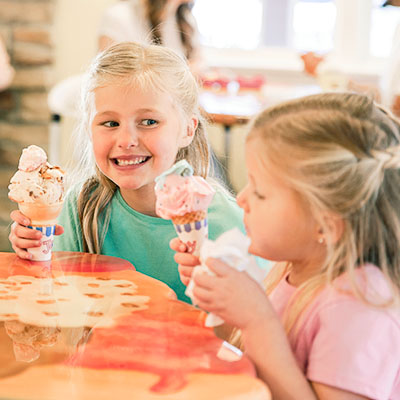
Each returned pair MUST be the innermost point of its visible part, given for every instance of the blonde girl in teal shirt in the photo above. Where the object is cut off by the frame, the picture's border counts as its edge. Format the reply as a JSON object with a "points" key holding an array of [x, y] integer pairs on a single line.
{"points": [[140, 115]]}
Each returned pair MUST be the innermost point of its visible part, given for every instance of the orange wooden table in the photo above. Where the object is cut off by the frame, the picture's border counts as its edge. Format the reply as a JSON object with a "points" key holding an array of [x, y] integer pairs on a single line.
{"points": [[86, 326]]}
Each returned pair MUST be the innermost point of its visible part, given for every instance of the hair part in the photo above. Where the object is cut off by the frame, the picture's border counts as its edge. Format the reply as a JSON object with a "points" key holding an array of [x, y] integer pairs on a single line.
{"points": [[148, 67]]}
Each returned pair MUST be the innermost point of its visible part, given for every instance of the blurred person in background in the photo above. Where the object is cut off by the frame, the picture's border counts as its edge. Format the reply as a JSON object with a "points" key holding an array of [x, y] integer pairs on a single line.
{"points": [[166, 22], [6, 70]]}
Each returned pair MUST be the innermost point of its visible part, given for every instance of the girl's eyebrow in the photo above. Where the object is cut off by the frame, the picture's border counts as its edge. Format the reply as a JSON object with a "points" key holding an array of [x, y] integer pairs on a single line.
{"points": [[116, 112], [100, 114]]}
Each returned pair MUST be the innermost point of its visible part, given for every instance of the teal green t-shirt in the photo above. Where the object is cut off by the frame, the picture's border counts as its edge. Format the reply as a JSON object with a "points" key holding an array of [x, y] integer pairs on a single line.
{"points": [[144, 240]]}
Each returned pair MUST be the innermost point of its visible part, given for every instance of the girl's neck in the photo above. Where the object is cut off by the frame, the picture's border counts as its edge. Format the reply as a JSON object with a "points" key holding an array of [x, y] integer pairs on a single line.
{"points": [[142, 200], [301, 271]]}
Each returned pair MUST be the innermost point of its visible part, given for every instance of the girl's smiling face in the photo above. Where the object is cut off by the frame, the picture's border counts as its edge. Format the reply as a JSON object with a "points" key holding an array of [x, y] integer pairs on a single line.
{"points": [[136, 134], [281, 227]]}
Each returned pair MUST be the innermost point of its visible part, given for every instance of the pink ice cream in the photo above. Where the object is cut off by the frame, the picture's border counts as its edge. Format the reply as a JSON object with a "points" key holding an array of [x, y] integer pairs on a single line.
{"points": [[179, 192], [36, 181]]}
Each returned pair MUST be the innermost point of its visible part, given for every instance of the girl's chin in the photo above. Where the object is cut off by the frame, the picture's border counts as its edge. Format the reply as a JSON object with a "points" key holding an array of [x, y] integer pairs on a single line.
{"points": [[253, 250], [258, 253]]}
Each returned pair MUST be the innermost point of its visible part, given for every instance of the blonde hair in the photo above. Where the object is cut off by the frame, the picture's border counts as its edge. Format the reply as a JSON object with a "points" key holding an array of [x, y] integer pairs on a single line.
{"points": [[341, 153], [153, 67]]}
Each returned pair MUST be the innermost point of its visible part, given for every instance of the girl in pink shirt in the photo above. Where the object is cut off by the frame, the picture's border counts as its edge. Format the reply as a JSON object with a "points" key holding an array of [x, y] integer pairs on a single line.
{"points": [[323, 200]]}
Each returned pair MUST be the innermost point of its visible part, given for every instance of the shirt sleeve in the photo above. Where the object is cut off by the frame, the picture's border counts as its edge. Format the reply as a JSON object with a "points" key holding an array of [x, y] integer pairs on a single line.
{"points": [[356, 348], [71, 239]]}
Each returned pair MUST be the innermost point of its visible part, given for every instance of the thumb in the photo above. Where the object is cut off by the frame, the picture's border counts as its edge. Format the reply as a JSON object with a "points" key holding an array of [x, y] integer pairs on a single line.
{"points": [[59, 230]]}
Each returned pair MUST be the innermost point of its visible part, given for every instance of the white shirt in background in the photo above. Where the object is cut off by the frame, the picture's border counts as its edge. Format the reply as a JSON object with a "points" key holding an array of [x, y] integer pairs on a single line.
{"points": [[126, 21]]}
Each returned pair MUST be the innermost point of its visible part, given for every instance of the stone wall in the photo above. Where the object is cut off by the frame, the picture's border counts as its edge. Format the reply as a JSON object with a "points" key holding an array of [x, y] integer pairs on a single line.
{"points": [[25, 26]]}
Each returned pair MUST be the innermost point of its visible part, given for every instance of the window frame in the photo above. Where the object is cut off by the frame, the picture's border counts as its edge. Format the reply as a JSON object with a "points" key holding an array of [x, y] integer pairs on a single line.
{"points": [[351, 48]]}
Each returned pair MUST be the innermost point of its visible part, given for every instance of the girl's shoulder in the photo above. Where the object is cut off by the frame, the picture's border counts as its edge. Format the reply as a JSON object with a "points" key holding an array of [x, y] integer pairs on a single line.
{"points": [[349, 343], [368, 281], [366, 295]]}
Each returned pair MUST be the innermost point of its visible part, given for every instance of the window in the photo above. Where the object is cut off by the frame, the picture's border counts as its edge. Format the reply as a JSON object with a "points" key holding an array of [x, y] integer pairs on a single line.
{"points": [[313, 26], [229, 23], [383, 24], [355, 30], [301, 24]]}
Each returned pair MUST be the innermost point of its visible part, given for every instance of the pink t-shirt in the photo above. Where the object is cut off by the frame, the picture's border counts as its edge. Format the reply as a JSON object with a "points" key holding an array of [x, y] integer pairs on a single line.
{"points": [[343, 342]]}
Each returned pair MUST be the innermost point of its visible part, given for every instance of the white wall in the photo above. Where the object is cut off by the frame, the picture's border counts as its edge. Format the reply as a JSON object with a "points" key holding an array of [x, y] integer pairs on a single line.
{"points": [[75, 34], [75, 38]]}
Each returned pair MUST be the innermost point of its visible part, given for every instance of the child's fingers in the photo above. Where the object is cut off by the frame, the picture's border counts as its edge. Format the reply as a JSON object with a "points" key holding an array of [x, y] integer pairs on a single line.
{"points": [[177, 245], [186, 259], [21, 253], [25, 243], [184, 280], [19, 243], [218, 267], [19, 218], [202, 296], [205, 281], [21, 232], [185, 271]]}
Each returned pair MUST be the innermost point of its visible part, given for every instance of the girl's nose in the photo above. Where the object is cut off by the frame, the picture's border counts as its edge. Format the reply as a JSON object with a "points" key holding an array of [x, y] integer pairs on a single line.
{"points": [[128, 137], [241, 199]]}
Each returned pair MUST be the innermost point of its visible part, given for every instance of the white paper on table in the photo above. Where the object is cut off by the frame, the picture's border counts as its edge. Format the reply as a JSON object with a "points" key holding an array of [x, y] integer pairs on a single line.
{"points": [[231, 248]]}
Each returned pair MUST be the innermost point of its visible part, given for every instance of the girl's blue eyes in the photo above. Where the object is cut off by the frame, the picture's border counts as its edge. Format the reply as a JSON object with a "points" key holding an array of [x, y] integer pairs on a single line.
{"points": [[149, 122], [145, 122], [110, 124]]}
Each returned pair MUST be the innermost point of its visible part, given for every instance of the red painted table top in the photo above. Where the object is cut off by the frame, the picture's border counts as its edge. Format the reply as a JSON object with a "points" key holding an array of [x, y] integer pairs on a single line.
{"points": [[85, 326]]}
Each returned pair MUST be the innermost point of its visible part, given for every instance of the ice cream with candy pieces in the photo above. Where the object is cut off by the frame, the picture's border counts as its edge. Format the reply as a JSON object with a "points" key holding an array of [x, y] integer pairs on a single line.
{"points": [[184, 198], [36, 181], [38, 188]]}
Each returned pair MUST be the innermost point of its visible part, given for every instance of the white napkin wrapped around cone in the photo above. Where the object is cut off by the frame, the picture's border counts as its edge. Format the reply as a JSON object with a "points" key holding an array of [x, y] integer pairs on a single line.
{"points": [[231, 248]]}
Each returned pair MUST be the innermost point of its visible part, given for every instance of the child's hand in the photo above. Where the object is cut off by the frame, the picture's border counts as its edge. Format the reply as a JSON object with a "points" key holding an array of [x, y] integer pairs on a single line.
{"points": [[22, 238], [186, 261], [232, 295]]}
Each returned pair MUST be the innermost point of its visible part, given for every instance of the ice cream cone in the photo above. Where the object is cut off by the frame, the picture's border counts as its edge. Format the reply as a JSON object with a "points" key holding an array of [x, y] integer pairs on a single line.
{"points": [[41, 214], [192, 229], [184, 198], [43, 218]]}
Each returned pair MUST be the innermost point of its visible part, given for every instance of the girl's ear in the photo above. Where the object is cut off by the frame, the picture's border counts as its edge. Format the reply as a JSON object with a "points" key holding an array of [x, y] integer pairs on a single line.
{"points": [[335, 227], [188, 135]]}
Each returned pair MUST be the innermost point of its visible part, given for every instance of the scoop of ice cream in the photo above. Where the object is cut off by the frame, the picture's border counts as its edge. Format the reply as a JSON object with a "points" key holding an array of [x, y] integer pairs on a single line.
{"points": [[32, 158], [42, 185], [179, 192]]}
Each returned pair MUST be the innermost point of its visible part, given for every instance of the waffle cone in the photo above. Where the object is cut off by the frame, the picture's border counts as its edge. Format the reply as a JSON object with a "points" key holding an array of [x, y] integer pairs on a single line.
{"points": [[41, 214], [189, 217]]}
